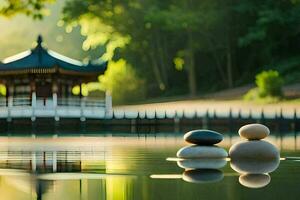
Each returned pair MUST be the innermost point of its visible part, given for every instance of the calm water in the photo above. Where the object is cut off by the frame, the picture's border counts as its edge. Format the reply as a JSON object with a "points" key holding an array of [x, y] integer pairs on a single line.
{"points": [[130, 167]]}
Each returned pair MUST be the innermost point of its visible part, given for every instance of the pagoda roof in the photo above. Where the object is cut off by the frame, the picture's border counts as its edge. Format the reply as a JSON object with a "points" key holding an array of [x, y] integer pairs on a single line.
{"points": [[42, 60]]}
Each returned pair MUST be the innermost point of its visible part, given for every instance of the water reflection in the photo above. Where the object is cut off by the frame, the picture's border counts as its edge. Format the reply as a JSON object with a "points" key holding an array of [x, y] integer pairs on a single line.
{"points": [[249, 166], [203, 163], [255, 180], [255, 173], [61, 175], [253, 160], [64, 168], [202, 170], [81, 168], [202, 175]]}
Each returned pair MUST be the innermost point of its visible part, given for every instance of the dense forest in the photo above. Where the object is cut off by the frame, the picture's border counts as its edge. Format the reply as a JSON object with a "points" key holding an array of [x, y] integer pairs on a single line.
{"points": [[180, 47]]}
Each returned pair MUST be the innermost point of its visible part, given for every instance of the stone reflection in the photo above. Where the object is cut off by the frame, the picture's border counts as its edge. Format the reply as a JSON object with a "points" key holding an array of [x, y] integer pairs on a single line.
{"points": [[203, 163], [254, 180], [254, 173], [202, 170], [254, 159], [202, 175], [253, 166], [203, 159]]}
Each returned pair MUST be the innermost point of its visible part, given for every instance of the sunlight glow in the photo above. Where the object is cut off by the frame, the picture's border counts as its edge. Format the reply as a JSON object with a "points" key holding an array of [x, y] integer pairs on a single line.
{"points": [[166, 176]]}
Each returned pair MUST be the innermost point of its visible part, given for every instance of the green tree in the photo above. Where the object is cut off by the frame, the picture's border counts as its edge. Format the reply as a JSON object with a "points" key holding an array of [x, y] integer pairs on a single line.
{"points": [[34, 8], [122, 81], [269, 83], [192, 47]]}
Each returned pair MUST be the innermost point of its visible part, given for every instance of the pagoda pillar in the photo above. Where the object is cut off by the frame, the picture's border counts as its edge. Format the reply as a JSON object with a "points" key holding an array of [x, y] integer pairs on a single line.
{"points": [[33, 93], [108, 104], [7, 93], [54, 93], [10, 95], [80, 93], [11, 89]]}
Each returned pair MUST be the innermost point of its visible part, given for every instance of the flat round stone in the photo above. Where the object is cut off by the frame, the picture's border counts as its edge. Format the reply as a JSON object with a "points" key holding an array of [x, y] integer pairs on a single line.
{"points": [[254, 150], [254, 180], [202, 163], [196, 151], [254, 131], [203, 137], [202, 176]]}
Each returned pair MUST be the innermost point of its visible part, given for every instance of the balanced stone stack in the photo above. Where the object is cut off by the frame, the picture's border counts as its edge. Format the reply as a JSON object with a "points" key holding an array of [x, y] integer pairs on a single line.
{"points": [[254, 158], [202, 160], [204, 145], [254, 147]]}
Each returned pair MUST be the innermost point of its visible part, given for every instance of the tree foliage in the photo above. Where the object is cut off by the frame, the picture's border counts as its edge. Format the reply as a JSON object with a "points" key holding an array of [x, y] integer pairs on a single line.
{"points": [[122, 81], [189, 46], [269, 83], [269, 87], [34, 8]]}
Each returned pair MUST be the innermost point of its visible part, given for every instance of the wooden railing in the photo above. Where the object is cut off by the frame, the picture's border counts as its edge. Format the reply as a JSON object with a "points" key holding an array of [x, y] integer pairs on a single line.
{"points": [[19, 107], [74, 102], [49, 102], [21, 101]]}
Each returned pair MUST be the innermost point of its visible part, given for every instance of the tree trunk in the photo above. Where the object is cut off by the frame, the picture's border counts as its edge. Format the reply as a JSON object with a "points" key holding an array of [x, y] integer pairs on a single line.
{"points": [[162, 61], [157, 73], [190, 58], [230, 32], [229, 67], [192, 75]]}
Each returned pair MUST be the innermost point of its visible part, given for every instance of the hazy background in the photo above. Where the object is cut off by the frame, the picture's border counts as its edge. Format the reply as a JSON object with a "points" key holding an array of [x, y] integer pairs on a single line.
{"points": [[176, 49]]}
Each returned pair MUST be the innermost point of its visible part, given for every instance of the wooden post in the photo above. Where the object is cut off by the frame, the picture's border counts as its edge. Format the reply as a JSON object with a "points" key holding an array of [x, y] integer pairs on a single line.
{"points": [[205, 120], [262, 116], [230, 120], [294, 125], [240, 114], [176, 122], [54, 161], [10, 105], [33, 105], [82, 107], [33, 161], [54, 99], [80, 87], [108, 104], [7, 93], [133, 125], [276, 122], [280, 121]]}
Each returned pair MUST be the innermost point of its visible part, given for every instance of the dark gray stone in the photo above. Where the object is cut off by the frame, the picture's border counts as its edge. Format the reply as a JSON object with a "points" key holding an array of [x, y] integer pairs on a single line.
{"points": [[203, 137]]}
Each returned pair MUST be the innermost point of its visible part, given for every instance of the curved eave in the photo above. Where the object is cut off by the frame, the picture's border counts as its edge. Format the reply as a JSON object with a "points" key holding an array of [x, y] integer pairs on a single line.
{"points": [[43, 61]]}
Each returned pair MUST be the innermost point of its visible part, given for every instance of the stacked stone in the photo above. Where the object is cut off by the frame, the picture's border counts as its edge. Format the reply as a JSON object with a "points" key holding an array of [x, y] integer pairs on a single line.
{"points": [[254, 158], [254, 147], [203, 158]]}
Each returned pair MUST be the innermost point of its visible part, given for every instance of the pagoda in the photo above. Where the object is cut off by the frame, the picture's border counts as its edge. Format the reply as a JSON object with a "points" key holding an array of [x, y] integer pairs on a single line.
{"points": [[39, 83]]}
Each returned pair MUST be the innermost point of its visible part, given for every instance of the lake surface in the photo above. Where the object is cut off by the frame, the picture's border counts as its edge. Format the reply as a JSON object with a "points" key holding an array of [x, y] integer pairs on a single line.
{"points": [[126, 166]]}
